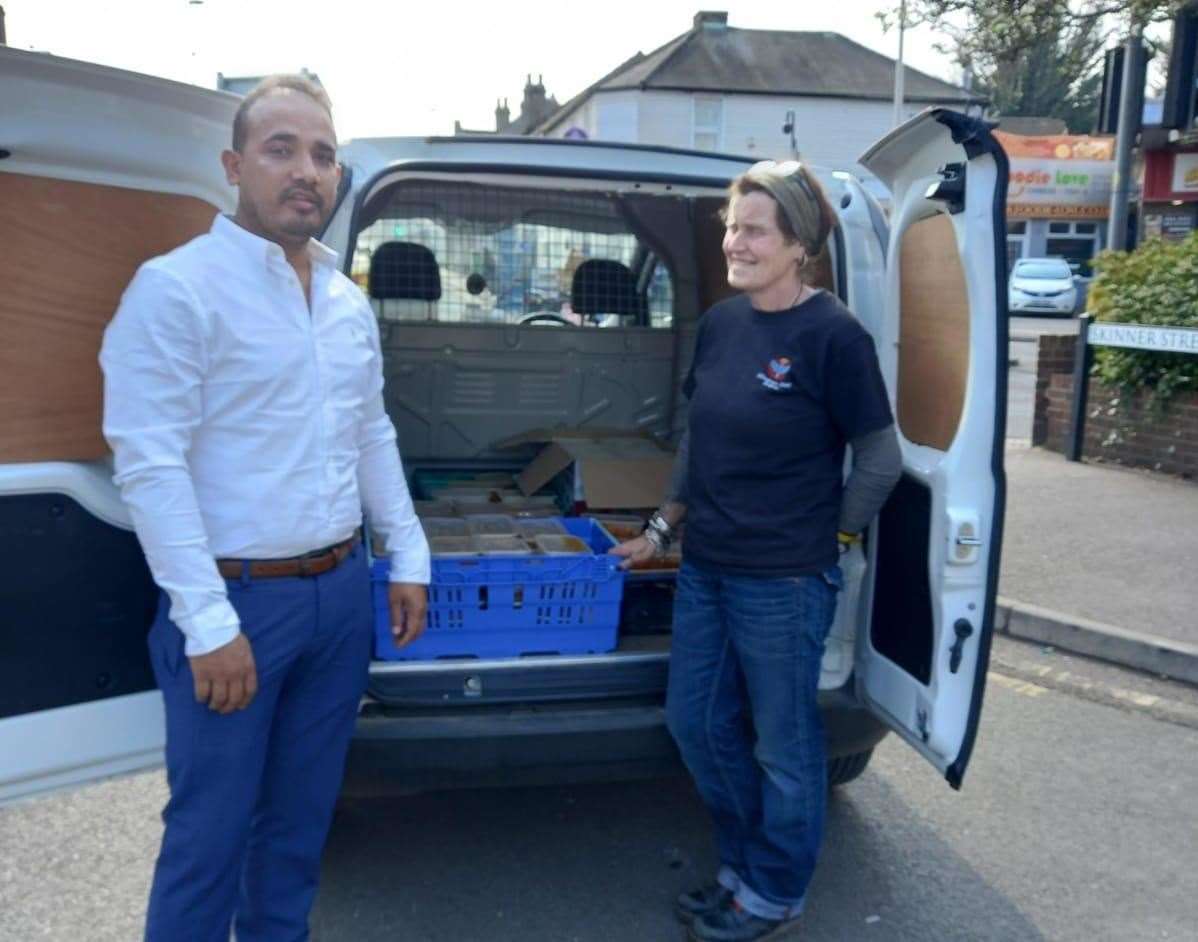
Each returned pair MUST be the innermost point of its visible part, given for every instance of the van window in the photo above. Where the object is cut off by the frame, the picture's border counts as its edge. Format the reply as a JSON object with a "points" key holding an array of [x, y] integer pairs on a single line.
{"points": [[455, 252]]}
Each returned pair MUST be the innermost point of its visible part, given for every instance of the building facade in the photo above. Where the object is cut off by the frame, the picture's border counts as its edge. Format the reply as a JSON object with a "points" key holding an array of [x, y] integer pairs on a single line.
{"points": [[766, 93]]}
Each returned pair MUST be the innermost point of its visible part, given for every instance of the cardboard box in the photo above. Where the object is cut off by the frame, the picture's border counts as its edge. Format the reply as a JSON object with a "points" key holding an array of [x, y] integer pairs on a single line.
{"points": [[612, 469]]}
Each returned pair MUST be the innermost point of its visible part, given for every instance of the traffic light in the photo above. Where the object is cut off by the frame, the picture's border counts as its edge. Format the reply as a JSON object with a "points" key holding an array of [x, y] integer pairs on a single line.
{"points": [[1181, 88], [1112, 87]]}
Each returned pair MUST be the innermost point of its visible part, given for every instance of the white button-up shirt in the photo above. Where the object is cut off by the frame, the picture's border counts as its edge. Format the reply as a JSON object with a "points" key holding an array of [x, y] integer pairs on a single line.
{"points": [[247, 423]]}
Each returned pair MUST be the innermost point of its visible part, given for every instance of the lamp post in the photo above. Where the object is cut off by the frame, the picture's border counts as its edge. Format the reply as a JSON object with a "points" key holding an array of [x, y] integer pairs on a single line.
{"points": [[898, 67], [1130, 101]]}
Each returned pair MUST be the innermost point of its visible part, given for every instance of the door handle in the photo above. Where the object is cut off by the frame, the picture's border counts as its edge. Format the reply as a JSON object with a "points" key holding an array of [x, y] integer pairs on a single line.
{"points": [[963, 630]]}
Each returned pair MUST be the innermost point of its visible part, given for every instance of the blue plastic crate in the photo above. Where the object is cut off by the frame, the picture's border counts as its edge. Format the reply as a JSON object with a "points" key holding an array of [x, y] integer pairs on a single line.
{"points": [[507, 606]]}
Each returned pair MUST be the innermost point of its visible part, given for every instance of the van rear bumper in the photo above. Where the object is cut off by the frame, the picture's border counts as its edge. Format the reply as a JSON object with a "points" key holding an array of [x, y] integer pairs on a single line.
{"points": [[398, 749]]}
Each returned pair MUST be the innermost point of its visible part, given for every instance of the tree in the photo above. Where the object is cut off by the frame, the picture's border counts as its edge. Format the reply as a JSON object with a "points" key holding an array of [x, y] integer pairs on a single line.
{"points": [[1033, 57]]}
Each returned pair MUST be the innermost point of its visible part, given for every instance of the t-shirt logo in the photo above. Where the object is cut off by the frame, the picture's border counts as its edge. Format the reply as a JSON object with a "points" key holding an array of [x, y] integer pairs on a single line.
{"points": [[776, 373]]}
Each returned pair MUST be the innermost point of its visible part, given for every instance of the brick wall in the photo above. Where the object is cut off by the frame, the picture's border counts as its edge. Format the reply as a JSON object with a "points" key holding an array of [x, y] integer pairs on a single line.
{"points": [[1119, 428]]}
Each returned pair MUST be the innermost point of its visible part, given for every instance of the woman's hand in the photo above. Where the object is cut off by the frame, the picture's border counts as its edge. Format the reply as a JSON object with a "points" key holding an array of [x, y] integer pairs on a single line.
{"points": [[637, 550]]}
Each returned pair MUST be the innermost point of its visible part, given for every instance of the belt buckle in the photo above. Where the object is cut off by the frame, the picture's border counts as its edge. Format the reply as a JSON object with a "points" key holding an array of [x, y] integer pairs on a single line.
{"points": [[305, 562]]}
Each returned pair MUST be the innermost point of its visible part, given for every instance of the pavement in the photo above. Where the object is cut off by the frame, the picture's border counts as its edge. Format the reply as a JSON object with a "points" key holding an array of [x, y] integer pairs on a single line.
{"points": [[1101, 560], [1097, 559], [1071, 827]]}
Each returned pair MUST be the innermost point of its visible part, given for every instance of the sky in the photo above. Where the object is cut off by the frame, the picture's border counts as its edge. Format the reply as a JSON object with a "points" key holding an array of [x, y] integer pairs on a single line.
{"points": [[404, 67]]}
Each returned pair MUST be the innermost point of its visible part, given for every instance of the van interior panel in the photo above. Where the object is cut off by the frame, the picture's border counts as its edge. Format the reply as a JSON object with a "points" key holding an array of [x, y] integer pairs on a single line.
{"points": [[63, 274], [78, 601], [901, 626], [933, 367]]}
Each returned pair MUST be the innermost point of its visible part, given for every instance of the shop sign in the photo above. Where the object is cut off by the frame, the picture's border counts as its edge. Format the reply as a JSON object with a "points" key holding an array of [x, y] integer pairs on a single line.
{"points": [[1172, 227], [1058, 176], [1185, 173]]}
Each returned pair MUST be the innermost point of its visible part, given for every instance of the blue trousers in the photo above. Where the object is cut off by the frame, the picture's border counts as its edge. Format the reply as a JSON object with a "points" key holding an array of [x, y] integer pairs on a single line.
{"points": [[741, 704], [252, 793]]}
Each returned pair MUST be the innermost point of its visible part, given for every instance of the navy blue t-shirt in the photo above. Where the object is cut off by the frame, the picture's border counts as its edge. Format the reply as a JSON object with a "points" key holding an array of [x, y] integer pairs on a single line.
{"points": [[774, 397]]}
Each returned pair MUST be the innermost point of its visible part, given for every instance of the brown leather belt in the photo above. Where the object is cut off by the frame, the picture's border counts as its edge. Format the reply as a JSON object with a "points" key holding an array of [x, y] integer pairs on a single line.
{"points": [[310, 564]]}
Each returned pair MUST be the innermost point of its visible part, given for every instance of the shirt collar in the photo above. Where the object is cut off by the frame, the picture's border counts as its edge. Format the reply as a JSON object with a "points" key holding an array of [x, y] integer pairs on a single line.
{"points": [[225, 228]]}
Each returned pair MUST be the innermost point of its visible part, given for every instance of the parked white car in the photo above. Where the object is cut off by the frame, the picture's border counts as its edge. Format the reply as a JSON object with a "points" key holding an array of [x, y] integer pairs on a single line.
{"points": [[1042, 286], [100, 169]]}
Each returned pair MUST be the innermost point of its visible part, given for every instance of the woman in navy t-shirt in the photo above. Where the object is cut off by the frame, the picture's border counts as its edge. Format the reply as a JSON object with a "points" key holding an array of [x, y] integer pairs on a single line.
{"points": [[782, 379]]}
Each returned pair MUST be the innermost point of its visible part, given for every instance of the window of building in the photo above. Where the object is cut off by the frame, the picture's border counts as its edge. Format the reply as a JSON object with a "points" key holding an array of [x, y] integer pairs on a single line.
{"points": [[1076, 242], [1016, 242], [708, 123]]}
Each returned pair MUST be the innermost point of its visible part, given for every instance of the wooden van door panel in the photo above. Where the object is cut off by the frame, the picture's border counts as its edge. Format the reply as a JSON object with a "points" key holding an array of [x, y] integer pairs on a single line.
{"points": [[101, 170]]}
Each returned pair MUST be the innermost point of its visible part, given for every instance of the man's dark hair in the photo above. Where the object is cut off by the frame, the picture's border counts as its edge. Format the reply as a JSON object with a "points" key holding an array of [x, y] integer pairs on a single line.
{"points": [[269, 86]]}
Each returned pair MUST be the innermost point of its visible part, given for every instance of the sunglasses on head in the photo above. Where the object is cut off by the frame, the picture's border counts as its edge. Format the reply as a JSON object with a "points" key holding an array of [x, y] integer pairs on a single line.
{"points": [[786, 169]]}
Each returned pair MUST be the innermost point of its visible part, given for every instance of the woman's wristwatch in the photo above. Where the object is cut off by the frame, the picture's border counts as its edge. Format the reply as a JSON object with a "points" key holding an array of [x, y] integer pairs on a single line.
{"points": [[658, 532]]}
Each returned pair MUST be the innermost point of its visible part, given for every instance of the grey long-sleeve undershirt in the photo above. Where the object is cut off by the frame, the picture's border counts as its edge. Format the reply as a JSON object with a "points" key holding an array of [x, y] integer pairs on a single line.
{"points": [[877, 466]]}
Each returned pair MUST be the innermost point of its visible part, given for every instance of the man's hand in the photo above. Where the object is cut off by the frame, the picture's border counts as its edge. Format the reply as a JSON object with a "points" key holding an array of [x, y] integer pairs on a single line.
{"points": [[637, 550], [409, 603], [226, 679]]}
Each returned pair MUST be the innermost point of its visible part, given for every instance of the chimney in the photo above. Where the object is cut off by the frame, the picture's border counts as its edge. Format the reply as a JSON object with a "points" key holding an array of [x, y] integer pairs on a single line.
{"points": [[503, 116], [3, 35], [714, 20], [535, 107]]}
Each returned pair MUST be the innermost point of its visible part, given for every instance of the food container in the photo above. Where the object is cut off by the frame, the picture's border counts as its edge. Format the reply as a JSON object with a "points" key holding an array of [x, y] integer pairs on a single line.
{"points": [[531, 527], [517, 501], [560, 544], [444, 526], [510, 604], [452, 546], [500, 544], [490, 525]]}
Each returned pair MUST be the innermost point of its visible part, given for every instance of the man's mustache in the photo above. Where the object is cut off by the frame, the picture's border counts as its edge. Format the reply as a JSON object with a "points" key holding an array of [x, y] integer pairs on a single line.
{"points": [[304, 192]]}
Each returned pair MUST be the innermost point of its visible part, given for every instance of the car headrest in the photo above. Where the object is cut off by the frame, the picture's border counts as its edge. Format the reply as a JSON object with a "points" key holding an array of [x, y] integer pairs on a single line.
{"points": [[603, 286], [404, 270]]}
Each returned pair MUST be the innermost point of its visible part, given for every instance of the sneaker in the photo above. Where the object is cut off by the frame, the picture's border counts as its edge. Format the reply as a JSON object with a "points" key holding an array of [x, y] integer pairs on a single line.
{"points": [[731, 923], [704, 899]]}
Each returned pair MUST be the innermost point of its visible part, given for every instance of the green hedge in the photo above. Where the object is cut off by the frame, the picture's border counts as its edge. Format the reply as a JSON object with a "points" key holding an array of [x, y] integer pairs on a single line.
{"points": [[1155, 284]]}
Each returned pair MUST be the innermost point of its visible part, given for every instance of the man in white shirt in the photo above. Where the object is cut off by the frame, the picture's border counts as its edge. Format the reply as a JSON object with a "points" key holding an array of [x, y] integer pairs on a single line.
{"points": [[243, 402]]}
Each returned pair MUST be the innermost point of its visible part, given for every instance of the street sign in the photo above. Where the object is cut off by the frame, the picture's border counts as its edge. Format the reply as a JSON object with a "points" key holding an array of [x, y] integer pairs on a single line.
{"points": [[1128, 336], [1142, 337]]}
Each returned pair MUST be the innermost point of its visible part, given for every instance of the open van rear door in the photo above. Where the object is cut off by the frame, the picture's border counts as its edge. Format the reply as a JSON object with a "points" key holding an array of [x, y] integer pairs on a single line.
{"points": [[921, 667], [100, 169]]}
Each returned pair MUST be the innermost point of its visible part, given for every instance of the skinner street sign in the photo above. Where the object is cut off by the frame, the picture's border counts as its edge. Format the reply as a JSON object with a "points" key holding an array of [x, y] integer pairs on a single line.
{"points": [[1129, 336], [1141, 337]]}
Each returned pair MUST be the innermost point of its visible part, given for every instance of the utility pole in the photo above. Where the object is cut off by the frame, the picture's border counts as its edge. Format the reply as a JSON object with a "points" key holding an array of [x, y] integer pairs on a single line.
{"points": [[1130, 104], [3, 35], [898, 67]]}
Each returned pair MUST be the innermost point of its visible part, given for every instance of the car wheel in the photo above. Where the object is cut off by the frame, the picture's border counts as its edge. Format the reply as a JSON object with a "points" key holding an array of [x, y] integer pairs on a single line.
{"points": [[843, 769]]}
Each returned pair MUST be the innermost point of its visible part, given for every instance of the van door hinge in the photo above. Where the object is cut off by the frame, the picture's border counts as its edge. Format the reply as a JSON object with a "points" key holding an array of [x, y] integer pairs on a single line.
{"points": [[921, 723], [950, 188], [963, 630]]}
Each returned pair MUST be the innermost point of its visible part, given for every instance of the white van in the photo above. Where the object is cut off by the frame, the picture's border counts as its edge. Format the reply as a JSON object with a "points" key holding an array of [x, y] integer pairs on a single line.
{"points": [[484, 339]]}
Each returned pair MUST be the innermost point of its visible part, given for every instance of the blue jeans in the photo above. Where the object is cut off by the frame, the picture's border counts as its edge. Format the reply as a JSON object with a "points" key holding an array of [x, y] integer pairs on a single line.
{"points": [[252, 793], [744, 675]]}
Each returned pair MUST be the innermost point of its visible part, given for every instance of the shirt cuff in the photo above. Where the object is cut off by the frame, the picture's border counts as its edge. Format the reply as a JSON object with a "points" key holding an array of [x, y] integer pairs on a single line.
{"points": [[210, 630], [411, 566]]}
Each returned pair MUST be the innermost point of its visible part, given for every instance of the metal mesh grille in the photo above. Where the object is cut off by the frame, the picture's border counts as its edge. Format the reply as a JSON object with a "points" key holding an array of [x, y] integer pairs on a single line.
{"points": [[464, 252]]}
